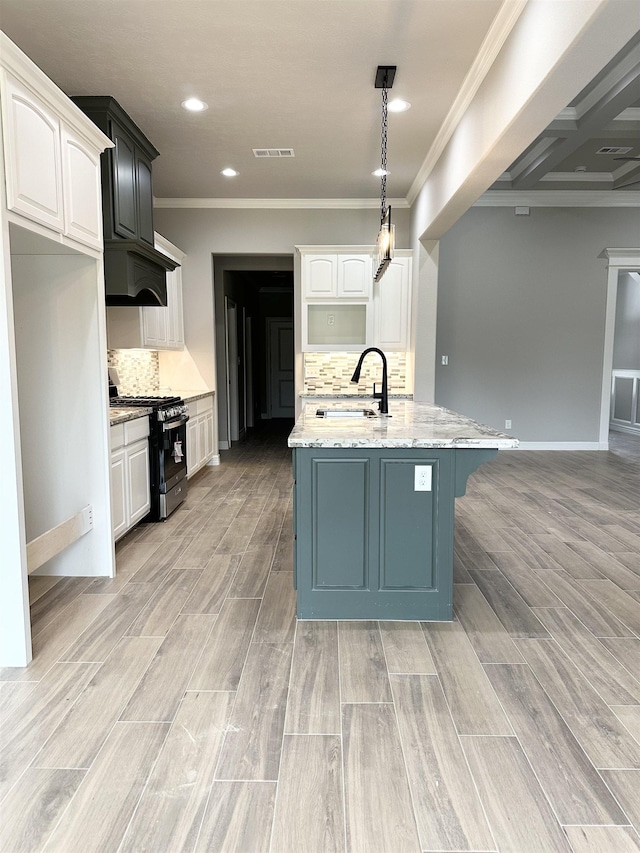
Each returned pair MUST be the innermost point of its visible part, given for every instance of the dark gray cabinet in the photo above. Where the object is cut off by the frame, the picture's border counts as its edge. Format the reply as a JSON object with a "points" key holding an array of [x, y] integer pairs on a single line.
{"points": [[367, 544], [135, 272], [127, 194]]}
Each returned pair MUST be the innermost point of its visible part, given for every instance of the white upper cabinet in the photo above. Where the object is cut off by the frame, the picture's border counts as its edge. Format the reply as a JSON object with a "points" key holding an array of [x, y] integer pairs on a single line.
{"points": [[51, 153], [82, 193], [342, 307], [336, 274], [392, 308], [34, 163]]}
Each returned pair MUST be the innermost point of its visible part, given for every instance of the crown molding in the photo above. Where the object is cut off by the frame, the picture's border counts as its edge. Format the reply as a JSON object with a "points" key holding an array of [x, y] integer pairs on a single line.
{"points": [[559, 198], [278, 203], [496, 36]]}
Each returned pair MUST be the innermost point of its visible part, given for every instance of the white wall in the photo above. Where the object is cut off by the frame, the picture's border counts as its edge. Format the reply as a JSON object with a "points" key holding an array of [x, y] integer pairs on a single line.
{"points": [[521, 315]]}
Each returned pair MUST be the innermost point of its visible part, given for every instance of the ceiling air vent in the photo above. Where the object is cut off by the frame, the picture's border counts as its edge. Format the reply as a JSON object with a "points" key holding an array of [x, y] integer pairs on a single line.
{"points": [[275, 152], [614, 149]]}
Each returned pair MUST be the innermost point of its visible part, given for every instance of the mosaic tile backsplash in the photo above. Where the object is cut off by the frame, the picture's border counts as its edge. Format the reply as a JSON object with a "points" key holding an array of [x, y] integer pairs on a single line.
{"points": [[138, 371], [331, 372]]}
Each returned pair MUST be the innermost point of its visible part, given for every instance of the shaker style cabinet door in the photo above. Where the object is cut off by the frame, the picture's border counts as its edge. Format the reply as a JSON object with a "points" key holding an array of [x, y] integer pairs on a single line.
{"points": [[144, 200], [82, 195], [32, 154]]}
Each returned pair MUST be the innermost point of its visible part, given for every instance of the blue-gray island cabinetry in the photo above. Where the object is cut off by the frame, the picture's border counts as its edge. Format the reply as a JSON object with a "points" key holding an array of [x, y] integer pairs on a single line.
{"points": [[374, 509]]}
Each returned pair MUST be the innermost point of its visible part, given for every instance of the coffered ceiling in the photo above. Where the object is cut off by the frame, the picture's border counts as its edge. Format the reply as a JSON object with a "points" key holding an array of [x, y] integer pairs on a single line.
{"points": [[583, 148], [300, 74]]}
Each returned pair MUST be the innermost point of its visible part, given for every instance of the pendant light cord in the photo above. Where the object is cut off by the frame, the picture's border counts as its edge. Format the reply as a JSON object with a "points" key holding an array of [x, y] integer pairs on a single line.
{"points": [[383, 153]]}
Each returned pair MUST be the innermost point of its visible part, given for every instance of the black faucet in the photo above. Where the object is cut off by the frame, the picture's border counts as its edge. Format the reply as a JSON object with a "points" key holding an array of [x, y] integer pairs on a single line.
{"points": [[382, 396]]}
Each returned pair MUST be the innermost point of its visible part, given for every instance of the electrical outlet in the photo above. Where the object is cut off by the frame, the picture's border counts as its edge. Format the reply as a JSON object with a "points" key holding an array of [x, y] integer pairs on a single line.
{"points": [[445, 359], [331, 320], [422, 478], [507, 424]]}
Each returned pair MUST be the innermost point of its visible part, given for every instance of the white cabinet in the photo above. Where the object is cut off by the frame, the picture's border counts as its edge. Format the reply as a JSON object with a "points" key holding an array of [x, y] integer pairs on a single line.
{"points": [[150, 327], [343, 310], [130, 482], [119, 519], [52, 171], [337, 274], [199, 434], [82, 192], [392, 308]]}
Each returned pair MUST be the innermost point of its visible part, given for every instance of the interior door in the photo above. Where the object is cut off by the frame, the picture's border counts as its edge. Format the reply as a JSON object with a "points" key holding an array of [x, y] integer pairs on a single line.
{"points": [[280, 360], [232, 369]]}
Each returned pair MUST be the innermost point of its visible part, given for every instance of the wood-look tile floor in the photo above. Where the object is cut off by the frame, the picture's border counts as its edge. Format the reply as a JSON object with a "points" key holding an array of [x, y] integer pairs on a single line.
{"points": [[180, 707]]}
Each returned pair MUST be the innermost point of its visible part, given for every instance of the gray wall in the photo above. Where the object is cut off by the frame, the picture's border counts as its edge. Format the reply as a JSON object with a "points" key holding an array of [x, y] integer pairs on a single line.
{"points": [[521, 313], [626, 345]]}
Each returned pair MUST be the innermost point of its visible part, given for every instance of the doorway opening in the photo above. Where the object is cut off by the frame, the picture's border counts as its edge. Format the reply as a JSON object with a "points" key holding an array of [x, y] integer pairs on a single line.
{"points": [[254, 343], [620, 400]]}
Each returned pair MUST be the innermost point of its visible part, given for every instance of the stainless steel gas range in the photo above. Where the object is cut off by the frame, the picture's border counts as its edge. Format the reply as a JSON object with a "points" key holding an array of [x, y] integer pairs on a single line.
{"points": [[167, 450]]}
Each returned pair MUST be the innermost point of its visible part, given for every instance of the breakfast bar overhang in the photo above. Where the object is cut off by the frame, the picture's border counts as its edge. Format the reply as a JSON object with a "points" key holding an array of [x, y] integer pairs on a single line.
{"points": [[374, 508]]}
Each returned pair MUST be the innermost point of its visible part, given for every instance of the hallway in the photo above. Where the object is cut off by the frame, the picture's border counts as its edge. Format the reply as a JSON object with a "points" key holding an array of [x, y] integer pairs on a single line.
{"points": [[181, 707]]}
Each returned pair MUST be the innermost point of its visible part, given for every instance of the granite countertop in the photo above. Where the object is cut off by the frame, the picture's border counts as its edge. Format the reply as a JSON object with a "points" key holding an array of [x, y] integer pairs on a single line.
{"points": [[191, 396], [411, 425], [118, 414]]}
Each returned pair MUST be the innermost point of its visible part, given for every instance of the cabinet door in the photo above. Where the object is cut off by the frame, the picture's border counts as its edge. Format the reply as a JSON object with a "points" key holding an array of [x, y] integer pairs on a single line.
{"points": [[202, 438], [137, 456], [32, 154], [392, 306], [355, 276], [125, 200], [82, 195], [320, 275], [144, 200], [192, 445], [154, 327], [208, 452], [119, 508], [175, 323]]}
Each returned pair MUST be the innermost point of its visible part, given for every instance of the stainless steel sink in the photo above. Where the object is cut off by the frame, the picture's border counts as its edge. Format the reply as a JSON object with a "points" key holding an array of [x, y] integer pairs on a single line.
{"points": [[346, 413]]}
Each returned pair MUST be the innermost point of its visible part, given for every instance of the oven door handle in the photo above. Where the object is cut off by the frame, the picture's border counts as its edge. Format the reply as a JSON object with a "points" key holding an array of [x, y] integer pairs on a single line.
{"points": [[167, 426]]}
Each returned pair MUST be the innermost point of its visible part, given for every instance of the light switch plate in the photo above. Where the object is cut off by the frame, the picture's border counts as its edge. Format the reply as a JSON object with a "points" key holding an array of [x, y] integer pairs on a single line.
{"points": [[422, 478]]}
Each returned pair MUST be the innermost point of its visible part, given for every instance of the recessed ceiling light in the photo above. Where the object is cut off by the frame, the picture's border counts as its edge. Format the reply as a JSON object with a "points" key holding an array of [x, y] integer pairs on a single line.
{"points": [[229, 172], [194, 105], [398, 106], [378, 173]]}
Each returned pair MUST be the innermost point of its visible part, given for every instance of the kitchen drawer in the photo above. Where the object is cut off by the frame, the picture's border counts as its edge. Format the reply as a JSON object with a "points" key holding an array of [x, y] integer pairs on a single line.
{"points": [[135, 430], [203, 405], [117, 436]]}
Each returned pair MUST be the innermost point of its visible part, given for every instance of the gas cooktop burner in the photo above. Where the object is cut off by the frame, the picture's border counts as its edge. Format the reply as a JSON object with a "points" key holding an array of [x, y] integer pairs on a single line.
{"points": [[149, 402]]}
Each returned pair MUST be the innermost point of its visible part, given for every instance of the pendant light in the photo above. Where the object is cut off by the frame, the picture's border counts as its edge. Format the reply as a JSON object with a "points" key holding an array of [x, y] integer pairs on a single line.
{"points": [[386, 235]]}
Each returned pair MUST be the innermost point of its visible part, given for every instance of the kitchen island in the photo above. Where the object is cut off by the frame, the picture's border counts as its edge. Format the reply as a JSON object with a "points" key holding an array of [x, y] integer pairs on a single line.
{"points": [[374, 507]]}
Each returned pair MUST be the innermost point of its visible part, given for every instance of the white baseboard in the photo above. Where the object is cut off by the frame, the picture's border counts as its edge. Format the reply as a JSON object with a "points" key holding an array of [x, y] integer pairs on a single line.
{"points": [[223, 445], [560, 445], [629, 430], [215, 460]]}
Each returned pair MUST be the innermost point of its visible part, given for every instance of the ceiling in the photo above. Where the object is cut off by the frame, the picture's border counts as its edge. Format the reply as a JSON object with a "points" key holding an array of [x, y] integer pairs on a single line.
{"points": [[299, 74]]}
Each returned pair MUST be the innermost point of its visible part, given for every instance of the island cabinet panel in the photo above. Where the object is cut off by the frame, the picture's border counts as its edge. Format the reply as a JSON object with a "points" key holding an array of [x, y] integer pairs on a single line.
{"points": [[367, 544], [340, 523], [408, 520]]}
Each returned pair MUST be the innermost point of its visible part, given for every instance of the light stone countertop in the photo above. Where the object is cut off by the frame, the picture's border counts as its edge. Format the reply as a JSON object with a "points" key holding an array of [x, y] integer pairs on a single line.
{"points": [[410, 425], [192, 396], [118, 414]]}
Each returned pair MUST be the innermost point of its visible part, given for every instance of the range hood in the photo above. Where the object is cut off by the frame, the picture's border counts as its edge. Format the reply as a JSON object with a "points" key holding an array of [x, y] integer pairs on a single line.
{"points": [[134, 271]]}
